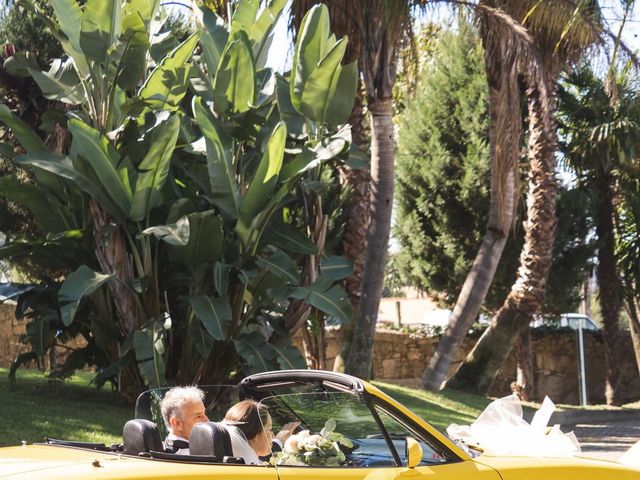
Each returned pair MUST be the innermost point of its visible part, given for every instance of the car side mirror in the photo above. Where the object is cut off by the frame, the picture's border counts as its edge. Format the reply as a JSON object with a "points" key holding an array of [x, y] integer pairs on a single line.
{"points": [[413, 452]]}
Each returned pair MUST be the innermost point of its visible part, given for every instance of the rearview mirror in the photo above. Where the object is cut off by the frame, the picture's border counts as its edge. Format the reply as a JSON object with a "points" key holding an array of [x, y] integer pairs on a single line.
{"points": [[413, 452]]}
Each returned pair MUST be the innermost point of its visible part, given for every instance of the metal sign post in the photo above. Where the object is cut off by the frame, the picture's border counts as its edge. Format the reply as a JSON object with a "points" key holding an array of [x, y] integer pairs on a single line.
{"points": [[582, 375]]}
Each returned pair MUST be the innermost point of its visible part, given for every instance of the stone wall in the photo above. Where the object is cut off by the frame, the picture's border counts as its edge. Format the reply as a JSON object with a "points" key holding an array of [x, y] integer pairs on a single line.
{"points": [[400, 358], [10, 332]]}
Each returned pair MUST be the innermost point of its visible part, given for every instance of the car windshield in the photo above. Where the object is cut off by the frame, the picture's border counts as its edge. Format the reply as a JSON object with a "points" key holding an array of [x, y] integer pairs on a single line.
{"points": [[339, 429], [218, 399]]}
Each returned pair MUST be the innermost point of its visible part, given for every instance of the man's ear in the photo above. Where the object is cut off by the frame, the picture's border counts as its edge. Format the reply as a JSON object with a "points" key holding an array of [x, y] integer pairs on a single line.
{"points": [[174, 422]]}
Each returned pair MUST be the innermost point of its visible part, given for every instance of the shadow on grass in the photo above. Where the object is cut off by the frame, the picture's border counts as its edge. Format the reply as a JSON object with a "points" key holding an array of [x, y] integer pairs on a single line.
{"points": [[36, 407]]}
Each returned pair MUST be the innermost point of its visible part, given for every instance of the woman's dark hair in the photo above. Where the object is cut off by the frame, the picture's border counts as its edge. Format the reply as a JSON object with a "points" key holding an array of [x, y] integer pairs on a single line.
{"points": [[249, 416]]}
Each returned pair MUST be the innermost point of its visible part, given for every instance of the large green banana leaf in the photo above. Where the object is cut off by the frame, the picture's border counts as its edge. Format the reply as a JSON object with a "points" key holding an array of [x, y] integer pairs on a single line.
{"points": [[224, 189], [77, 285], [100, 28], [168, 83], [214, 313], [154, 169]]}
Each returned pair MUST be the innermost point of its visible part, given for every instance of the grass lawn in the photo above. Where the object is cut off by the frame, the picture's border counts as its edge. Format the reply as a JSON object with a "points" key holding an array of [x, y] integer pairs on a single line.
{"points": [[439, 409], [35, 408]]}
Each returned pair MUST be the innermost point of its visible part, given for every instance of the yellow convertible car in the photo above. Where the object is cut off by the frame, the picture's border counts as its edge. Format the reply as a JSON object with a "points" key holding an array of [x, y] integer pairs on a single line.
{"points": [[347, 429]]}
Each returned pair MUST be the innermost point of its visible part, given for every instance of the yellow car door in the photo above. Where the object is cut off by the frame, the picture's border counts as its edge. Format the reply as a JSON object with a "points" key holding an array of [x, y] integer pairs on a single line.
{"points": [[464, 470]]}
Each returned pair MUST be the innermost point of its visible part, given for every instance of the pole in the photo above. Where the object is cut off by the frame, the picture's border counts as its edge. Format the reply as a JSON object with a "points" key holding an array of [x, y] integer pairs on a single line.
{"points": [[583, 374]]}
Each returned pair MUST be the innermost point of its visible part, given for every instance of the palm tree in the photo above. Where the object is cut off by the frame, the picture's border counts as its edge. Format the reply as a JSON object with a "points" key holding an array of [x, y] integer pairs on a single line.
{"points": [[505, 120], [603, 134], [561, 31], [377, 27]]}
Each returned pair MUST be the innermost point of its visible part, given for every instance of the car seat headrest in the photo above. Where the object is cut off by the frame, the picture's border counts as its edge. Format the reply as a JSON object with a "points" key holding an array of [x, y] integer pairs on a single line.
{"points": [[210, 438], [141, 436]]}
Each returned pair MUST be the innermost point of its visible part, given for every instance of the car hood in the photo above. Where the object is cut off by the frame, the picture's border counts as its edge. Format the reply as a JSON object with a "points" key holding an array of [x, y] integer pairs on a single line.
{"points": [[518, 468]]}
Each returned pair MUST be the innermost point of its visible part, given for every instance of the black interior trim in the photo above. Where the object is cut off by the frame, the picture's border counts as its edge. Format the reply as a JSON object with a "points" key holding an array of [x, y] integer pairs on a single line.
{"points": [[72, 443]]}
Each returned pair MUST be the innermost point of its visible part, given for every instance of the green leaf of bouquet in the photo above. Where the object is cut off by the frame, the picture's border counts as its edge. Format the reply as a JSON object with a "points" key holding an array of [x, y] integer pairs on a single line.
{"points": [[77, 285], [330, 425]]}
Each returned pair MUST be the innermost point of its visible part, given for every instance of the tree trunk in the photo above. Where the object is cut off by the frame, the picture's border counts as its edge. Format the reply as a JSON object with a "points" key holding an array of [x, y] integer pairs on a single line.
{"points": [[478, 371], [358, 181], [113, 256], [524, 373], [610, 290], [382, 178], [505, 120], [353, 247], [634, 327]]}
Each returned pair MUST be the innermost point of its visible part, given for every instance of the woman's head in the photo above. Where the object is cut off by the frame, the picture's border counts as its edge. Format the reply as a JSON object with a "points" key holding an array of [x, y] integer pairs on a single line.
{"points": [[253, 419]]}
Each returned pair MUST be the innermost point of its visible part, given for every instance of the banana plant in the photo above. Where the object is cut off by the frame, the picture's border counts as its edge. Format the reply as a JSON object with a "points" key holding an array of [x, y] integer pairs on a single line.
{"points": [[183, 171]]}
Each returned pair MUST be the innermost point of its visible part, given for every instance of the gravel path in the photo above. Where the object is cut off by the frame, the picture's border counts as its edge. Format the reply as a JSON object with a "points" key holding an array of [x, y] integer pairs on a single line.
{"points": [[607, 440]]}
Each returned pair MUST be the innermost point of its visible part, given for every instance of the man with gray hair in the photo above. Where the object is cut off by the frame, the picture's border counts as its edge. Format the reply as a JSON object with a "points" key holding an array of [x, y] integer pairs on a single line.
{"points": [[182, 408]]}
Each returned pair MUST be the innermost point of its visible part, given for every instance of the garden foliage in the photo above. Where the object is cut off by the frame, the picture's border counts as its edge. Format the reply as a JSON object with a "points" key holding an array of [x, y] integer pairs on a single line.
{"points": [[172, 211]]}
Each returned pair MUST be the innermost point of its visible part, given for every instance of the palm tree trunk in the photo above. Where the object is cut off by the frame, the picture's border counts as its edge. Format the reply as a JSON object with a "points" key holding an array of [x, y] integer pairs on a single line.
{"points": [[478, 371], [634, 327], [358, 181], [524, 372], [610, 294], [505, 120], [382, 179]]}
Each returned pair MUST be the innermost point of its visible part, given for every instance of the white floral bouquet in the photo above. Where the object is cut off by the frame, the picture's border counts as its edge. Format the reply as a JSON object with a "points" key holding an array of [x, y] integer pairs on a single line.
{"points": [[322, 449]]}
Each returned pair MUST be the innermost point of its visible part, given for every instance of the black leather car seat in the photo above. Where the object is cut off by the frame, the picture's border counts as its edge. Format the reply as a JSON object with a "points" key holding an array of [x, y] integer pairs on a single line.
{"points": [[140, 436], [210, 438]]}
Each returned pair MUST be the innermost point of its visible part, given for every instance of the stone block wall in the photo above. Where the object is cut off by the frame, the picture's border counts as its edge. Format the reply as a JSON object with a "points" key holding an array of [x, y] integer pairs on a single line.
{"points": [[10, 332], [400, 358]]}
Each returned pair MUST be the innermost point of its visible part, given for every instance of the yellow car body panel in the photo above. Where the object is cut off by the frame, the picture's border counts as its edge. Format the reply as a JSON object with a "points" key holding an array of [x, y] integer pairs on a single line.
{"points": [[466, 470], [579, 468], [53, 462]]}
